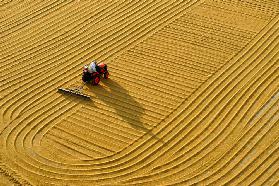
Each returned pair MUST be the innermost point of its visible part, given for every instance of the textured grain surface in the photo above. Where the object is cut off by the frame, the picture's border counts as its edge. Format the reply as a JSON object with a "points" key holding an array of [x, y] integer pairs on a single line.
{"points": [[193, 96]]}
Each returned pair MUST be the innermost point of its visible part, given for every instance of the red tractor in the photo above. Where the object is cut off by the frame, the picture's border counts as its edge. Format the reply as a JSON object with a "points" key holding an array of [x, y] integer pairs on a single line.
{"points": [[92, 73]]}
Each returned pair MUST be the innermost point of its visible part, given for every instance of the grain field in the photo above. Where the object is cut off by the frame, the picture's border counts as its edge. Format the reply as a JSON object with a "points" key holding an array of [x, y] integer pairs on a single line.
{"points": [[192, 98]]}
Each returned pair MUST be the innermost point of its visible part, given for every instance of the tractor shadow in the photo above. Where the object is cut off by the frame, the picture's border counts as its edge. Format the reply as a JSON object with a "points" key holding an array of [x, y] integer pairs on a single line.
{"points": [[123, 103]]}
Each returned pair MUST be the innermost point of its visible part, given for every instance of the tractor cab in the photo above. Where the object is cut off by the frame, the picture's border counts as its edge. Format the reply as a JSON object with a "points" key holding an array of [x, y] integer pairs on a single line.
{"points": [[93, 72]]}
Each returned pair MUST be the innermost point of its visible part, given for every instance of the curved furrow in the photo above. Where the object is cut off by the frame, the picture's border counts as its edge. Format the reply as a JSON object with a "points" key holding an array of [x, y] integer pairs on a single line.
{"points": [[34, 129], [188, 168], [242, 65], [271, 66], [23, 136], [266, 170], [270, 177], [261, 140], [185, 156], [181, 153], [55, 173], [30, 114], [264, 161], [196, 180], [237, 93]]}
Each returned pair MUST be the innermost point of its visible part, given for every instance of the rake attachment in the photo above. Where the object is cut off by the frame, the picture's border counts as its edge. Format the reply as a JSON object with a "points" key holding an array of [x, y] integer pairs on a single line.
{"points": [[75, 91]]}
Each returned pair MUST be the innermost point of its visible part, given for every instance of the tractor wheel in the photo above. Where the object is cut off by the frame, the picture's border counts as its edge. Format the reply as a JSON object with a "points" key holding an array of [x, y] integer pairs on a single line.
{"points": [[96, 80], [85, 78], [106, 75]]}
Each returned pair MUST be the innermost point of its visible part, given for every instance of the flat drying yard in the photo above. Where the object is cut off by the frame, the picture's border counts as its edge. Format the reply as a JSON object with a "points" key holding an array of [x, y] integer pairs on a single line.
{"points": [[192, 97]]}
